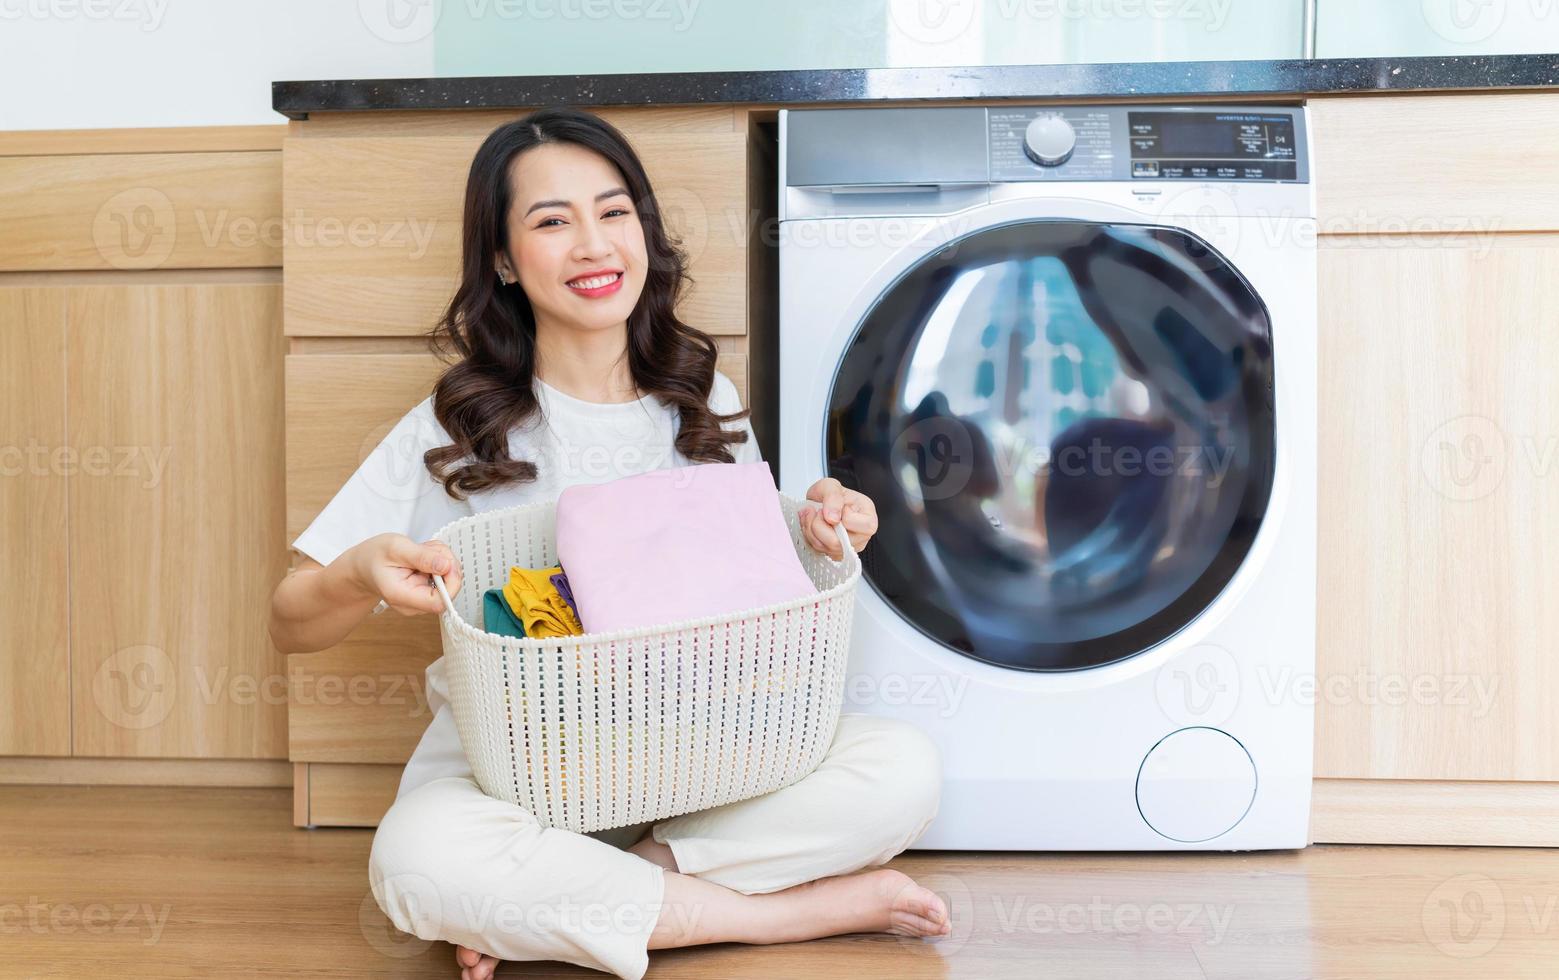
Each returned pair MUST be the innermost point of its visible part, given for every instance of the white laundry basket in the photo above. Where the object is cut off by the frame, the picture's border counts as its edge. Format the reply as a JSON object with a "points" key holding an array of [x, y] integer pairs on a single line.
{"points": [[612, 729]]}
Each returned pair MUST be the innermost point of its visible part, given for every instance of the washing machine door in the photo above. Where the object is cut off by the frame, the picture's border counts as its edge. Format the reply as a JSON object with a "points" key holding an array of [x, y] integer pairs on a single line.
{"points": [[1068, 431]]}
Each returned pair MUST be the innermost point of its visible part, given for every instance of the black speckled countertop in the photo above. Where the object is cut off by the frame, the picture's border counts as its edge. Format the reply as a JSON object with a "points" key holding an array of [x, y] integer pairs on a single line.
{"points": [[785, 88]]}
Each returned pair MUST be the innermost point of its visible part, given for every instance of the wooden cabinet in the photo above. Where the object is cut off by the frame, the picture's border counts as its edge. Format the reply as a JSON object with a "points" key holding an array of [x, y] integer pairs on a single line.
{"points": [[1439, 550], [139, 211], [140, 334], [362, 701], [34, 658], [176, 534], [148, 497], [1438, 430]]}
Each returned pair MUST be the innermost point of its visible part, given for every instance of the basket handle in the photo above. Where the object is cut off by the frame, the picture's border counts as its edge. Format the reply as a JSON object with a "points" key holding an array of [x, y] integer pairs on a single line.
{"points": [[449, 604], [844, 542]]}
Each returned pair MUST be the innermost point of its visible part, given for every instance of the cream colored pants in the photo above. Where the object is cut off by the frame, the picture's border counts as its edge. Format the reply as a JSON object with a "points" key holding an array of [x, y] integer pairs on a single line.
{"points": [[450, 863]]}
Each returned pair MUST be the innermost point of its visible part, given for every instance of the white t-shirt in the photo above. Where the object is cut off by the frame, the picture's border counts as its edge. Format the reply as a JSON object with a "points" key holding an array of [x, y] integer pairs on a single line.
{"points": [[572, 441]]}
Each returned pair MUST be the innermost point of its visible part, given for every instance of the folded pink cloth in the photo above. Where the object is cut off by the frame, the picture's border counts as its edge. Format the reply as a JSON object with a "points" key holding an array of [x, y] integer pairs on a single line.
{"points": [[673, 544]]}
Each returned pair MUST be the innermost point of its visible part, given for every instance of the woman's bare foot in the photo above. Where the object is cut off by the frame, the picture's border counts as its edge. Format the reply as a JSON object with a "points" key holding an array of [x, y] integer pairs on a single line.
{"points": [[474, 965], [695, 912], [913, 910], [882, 900]]}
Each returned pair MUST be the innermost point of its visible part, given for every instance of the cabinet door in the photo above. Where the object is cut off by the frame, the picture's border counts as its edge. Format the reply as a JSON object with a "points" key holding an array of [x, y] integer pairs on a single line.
{"points": [[361, 701], [176, 516], [34, 655], [1439, 520]]}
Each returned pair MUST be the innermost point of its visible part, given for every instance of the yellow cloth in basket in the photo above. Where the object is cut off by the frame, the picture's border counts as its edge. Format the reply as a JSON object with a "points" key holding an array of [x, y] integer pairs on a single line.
{"points": [[537, 604]]}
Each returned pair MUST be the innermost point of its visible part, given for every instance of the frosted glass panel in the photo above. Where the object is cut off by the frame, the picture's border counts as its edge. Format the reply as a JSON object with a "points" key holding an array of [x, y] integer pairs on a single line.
{"points": [[572, 37], [1039, 32], [1387, 28]]}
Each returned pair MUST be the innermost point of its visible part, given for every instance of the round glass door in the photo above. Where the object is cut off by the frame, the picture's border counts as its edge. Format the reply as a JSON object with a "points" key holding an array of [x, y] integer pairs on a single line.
{"points": [[1067, 429]]}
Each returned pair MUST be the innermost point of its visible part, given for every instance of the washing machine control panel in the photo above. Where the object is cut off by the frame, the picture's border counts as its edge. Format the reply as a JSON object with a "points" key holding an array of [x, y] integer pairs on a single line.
{"points": [[1146, 143], [1028, 144]]}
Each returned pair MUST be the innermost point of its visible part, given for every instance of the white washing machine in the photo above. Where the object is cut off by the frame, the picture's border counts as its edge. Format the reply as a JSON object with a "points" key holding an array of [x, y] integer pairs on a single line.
{"points": [[1070, 353]]}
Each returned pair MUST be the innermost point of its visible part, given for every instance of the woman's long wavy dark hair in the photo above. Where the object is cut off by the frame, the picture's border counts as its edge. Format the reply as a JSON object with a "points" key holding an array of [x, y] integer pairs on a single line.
{"points": [[492, 329]]}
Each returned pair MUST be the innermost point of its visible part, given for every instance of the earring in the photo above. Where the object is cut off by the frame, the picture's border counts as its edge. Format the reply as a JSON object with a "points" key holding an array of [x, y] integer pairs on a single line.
{"points": [[501, 279]]}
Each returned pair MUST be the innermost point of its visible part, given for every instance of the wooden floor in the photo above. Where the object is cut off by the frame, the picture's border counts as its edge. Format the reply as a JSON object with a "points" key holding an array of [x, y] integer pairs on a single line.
{"points": [[151, 882]]}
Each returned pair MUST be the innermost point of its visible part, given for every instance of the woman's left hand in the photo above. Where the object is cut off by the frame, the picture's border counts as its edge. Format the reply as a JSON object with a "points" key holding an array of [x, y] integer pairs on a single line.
{"points": [[837, 503]]}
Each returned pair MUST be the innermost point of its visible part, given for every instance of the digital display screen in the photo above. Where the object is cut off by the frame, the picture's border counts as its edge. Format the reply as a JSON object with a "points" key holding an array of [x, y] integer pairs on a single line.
{"points": [[1213, 145], [1198, 139]]}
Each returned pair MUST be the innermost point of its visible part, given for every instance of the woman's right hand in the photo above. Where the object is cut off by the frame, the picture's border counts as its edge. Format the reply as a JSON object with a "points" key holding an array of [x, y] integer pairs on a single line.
{"points": [[400, 571]]}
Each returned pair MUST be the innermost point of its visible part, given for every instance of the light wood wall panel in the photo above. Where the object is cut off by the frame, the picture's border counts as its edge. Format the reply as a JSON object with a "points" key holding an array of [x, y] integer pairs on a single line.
{"points": [[373, 246], [1439, 512], [1437, 163], [150, 139], [176, 546], [364, 699], [34, 656], [734, 365], [347, 795], [339, 408], [140, 211], [80, 771], [1440, 811]]}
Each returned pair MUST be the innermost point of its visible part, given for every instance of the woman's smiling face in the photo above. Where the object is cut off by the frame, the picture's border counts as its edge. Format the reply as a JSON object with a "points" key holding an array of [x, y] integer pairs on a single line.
{"points": [[573, 219]]}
